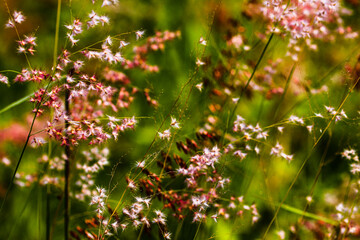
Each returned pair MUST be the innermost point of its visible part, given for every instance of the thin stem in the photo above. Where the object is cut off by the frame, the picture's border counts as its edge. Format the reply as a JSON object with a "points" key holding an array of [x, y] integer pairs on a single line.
{"points": [[197, 230], [22, 152], [349, 216], [190, 80], [309, 215], [17, 32], [67, 168], [48, 223], [246, 86], [56, 42], [322, 163], [307, 158], [285, 90], [178, 229]]}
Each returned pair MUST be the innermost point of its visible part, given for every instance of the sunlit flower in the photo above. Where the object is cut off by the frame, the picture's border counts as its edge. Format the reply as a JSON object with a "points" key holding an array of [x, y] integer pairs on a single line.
{"points": [[18, 17], [123, 44], [199, 86], [202, 41], [165, 134], [139, 34], [4, 79], [199, 62], [174, 123]]}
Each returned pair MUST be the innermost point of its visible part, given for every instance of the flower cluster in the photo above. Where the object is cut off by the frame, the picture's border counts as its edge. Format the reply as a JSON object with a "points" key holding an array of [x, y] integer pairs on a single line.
{"points": [[338, 116], [155, 43], [17, 17], [307, 20], [78, 104], [166, 134], [94, 161], [200, 165], [86, 100], [278, 151], [351, 155], [98, 199], [4, 79], [248, 131], [27, 45]]}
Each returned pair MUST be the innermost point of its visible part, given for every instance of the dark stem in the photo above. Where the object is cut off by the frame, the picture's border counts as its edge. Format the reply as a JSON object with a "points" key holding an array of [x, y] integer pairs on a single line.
{"points": [[37, 108], [48, 213], [232, 113], [285, 90], [67, 167]]}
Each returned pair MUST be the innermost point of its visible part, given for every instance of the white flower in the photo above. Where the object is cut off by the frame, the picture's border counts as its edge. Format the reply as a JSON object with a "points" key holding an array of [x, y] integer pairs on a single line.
{"points": [[295, 119], [4, 79], [199, 86], [139, 34], [240, 154], [199, 62], [166, 134], [202, 41], [18, 17], [140, 164], [123, 44], [174, 123]]}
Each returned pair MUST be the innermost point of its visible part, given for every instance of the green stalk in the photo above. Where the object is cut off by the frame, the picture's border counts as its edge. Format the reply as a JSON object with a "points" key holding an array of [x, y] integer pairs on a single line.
{"points": [[285, 90], [48, 223], [197, 230], [67, 172], [307, 158], [22, 152], [246, 86], [18, 102], [56, 34], [309, 215]]}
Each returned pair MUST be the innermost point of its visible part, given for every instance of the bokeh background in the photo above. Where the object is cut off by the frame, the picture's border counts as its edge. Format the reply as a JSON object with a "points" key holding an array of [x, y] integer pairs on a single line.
{"points": [[23, 216]]}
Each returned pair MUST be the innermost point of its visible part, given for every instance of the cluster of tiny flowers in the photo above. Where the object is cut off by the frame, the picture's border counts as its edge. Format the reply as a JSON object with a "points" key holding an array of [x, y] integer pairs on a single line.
{"points": [[32, 75], [206, 198], [107, 2], [27, 45], [307, 20], [249, 131], [4, 79], [351, 155], [278, 151], [95, 19], [106, 54], [236, 206], [166, 134], [98, 199], [200, 166], [83, 123], [135, 213], [17, 17], [338, 116], [74, 29], [95, 160], [89, 112], [155, 43], [237, 42], [52, 177], [344, 213], [296, 120]]}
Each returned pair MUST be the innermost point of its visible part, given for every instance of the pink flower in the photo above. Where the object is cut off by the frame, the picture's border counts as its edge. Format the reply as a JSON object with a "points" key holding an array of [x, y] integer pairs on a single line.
{"points": [[18, 17], [4, 79], [139, 34]]}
